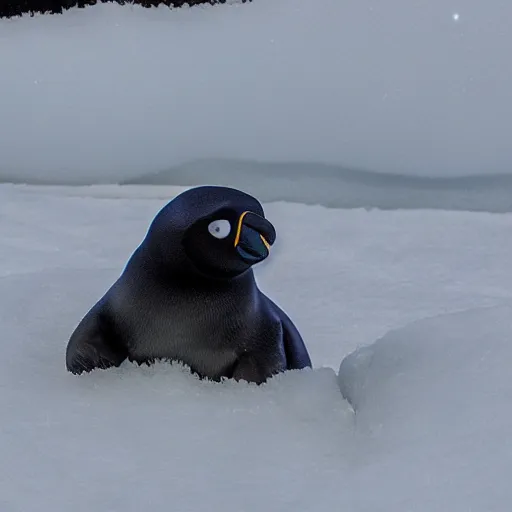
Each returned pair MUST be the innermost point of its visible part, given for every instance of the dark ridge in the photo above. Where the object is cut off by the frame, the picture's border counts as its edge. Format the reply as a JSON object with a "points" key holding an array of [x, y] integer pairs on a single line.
{"points": [[315, 184], [340, 187], [12, 8], [231, 168]]}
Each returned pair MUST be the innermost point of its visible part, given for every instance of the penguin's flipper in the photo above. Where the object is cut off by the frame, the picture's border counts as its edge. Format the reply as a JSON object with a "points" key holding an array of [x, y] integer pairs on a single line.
{"points": [[297, 356], [93, 344]]}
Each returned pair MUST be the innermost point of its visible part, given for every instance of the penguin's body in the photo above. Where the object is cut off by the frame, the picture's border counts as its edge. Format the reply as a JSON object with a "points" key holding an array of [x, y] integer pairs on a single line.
{"points": [[188, 294]]}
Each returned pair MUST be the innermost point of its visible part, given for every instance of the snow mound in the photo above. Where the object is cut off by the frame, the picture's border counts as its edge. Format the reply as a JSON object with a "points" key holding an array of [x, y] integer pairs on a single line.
{"points": [[436, 396], [136, 437]]}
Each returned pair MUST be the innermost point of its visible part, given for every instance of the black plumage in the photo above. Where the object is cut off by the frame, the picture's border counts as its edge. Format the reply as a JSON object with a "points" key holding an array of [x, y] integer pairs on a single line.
{"points": [[188, 293]]}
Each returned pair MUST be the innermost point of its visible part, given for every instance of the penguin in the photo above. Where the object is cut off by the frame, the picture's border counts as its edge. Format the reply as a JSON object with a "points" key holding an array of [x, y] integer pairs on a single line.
{"points": [[188, 293]]}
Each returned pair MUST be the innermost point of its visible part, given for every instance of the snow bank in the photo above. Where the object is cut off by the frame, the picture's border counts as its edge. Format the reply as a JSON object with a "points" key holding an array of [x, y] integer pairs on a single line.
{"points": [[433, 420], [114, 92], [134, 437]]}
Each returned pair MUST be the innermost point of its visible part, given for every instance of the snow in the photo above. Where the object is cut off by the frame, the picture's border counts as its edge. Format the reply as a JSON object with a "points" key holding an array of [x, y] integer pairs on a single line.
{"points": [[136, 438], [116, 92], [432, 416], [311, 105], [416, 421]]}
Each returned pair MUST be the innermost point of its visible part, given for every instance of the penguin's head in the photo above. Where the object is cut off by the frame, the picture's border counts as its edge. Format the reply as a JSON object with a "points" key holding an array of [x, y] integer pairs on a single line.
{"points": [[221, 231]]}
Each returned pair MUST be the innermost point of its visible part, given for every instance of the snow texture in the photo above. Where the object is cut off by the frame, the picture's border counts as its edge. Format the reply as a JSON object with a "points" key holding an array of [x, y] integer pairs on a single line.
{"points": [[422, 420], [115, 92], [396, 105], [433, 424]]}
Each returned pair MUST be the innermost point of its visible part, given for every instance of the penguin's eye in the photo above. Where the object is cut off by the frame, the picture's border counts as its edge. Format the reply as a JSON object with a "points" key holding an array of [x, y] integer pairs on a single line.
{"points": [[219, 228]]}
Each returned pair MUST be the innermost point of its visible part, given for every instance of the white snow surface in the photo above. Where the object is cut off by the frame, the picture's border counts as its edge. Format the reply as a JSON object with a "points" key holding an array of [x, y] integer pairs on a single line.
{"points": [[432, 421], [417, 421], [114, 92]]}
